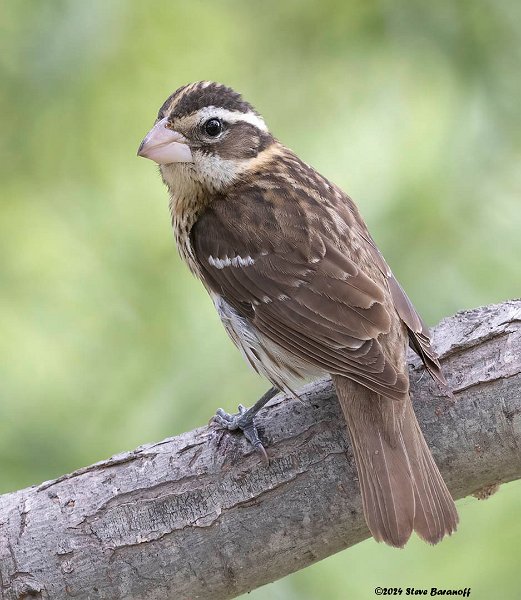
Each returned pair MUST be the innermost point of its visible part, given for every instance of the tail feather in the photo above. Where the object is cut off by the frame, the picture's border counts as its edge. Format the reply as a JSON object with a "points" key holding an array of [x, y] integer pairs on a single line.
{"points": [[436, 514], [402, 489]]}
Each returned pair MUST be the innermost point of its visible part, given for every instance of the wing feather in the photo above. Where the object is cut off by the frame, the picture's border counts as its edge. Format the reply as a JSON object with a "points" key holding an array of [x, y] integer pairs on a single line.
{"points": [[312, 281]]}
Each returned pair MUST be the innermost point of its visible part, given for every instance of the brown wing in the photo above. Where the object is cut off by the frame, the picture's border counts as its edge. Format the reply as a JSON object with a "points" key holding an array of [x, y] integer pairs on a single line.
{"points": [[419, 337], [280, 266]]}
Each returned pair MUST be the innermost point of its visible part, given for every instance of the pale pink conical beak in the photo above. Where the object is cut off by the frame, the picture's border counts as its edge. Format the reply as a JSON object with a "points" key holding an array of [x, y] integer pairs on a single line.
{"points": [[165, 146]]}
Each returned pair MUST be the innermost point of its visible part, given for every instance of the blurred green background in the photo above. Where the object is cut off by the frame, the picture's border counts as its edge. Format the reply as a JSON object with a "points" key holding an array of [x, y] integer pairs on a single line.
{"points": [[107, 342]]}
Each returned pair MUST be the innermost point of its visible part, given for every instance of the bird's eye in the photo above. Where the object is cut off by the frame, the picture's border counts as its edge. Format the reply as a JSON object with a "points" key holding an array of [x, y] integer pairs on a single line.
{"points": [[213, 127]]}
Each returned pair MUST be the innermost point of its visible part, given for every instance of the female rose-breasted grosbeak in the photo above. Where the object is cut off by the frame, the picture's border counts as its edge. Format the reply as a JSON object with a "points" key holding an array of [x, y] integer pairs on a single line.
{"points": [[303, 291]]}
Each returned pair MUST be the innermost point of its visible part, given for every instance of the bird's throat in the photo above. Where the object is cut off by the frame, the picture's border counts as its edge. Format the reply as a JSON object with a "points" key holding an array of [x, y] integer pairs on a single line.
{"points": [[188, 199]]}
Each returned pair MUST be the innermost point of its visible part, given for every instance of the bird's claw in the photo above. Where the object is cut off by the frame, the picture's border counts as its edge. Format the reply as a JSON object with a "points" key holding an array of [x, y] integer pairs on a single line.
{"points": [[244, 421]]}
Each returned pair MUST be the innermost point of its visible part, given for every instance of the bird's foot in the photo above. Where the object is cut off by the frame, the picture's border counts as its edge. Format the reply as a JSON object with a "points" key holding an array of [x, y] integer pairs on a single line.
{"points": [[245, 421]]}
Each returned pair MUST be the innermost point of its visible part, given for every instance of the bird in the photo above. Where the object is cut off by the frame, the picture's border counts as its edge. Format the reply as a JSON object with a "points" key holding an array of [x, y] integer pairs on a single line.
{"points": [[303, 291]]}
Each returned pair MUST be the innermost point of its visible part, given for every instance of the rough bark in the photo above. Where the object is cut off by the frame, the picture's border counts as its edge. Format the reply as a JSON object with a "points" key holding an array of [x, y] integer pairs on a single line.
{"points": [[200, 516]]}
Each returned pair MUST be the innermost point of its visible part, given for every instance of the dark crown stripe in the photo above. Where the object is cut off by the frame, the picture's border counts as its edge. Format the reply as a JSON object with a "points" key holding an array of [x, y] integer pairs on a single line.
{"points": [[191, 98]]}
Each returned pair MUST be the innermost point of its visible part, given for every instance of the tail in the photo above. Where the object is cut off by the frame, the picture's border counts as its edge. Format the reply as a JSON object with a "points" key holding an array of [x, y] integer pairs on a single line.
{"points": [[402, 488]]}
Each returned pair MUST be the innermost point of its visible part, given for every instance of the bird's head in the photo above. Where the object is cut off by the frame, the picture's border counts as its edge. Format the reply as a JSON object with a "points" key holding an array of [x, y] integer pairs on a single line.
{"points": [[207, 133]]}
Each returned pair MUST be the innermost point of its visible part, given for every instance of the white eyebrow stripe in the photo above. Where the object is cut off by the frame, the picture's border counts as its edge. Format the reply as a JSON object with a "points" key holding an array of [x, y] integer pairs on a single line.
{"points": [[231, 116], [235, 261]]}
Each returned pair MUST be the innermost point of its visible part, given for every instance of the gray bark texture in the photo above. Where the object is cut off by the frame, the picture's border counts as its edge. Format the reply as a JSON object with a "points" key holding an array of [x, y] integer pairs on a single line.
{"points": [[200, 516]]}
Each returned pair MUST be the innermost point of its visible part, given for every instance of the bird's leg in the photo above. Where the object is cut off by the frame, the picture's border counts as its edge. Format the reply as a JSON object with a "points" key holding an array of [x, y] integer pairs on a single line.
{"points": [[245, 421]]}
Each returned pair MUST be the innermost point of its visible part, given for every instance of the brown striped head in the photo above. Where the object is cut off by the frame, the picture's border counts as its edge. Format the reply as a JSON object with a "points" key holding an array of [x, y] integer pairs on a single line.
{"points": [[206, 131]]}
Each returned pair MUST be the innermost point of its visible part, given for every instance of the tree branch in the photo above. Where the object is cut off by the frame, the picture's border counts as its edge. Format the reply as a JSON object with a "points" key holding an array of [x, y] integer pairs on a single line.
{"points": [[199, 516]]}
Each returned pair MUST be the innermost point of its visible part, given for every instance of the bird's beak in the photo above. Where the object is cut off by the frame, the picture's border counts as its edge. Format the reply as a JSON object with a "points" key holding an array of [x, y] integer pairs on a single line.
{"points": [[165, 146]]}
